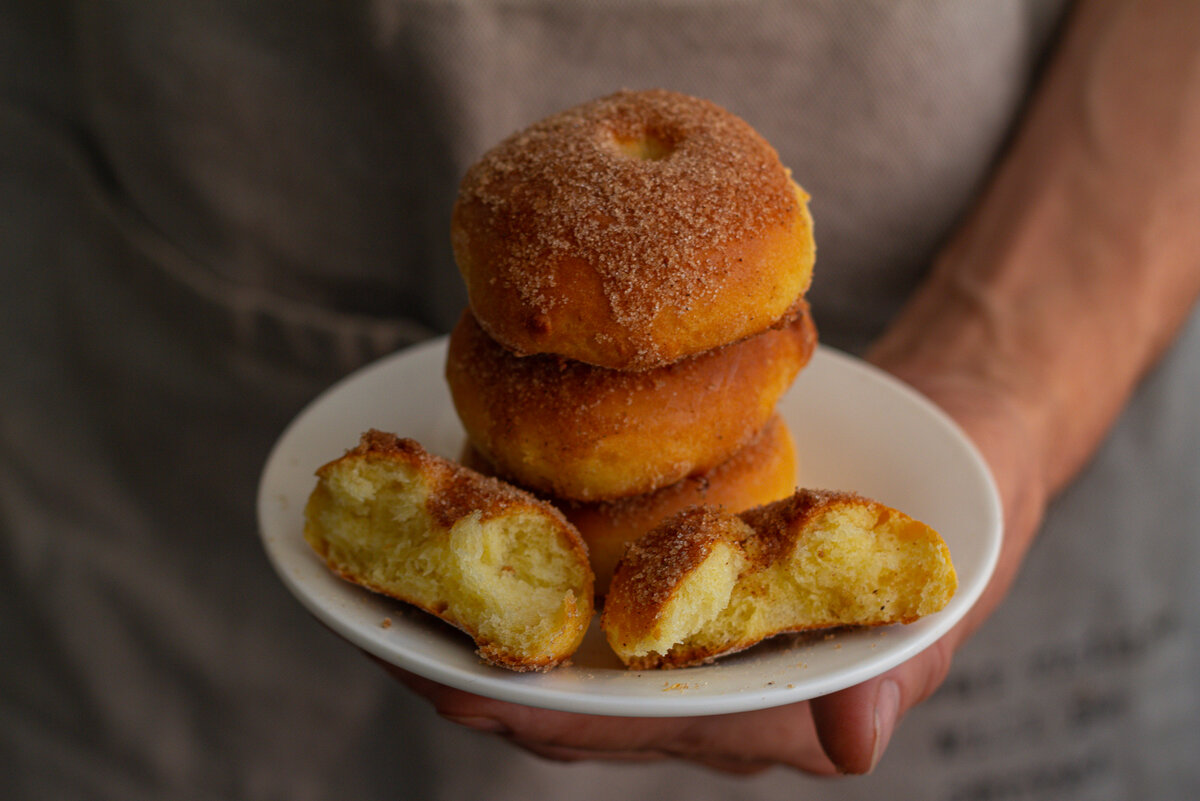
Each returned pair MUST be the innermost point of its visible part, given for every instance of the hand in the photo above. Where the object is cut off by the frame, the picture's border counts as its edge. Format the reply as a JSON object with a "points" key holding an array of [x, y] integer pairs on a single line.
{"points": [[1064, 285], [845, 732]]}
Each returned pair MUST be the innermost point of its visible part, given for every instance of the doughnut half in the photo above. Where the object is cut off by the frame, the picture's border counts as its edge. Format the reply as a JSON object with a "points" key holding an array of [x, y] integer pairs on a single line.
{"points": [[497, 563], [578, 432], [632, 231], [707, 583]]}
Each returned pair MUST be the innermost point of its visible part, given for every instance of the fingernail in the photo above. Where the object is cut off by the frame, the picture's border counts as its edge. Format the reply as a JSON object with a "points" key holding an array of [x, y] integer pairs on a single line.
{"points": [[489, 725], [887, 707]]}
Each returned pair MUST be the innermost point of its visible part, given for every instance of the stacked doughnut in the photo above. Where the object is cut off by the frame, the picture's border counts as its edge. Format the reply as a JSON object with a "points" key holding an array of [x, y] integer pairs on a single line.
{"points": [[636, 268]]}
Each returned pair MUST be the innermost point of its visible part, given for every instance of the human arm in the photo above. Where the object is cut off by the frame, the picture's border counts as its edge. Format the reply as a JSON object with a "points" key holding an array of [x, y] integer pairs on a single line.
{"points": [[1061, 289], [1064, 287]]}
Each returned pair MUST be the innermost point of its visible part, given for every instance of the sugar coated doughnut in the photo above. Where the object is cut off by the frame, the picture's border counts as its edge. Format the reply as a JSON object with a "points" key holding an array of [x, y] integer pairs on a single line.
{"points": [[632, 231], [574, 431], [707, 583]]}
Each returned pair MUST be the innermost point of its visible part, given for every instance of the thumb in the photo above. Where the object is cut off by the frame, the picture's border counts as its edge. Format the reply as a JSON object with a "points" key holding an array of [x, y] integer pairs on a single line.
{"points": [[855, 725]]}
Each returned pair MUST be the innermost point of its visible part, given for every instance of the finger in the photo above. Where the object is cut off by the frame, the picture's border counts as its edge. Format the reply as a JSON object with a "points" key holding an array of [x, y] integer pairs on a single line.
{"points": [[742, 742], [855, 725], [564, 754], [559, 754]]}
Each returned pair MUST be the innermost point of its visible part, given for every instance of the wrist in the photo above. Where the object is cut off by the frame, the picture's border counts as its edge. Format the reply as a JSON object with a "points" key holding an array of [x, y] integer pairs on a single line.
{"points": [[1009, 434], [954, 345]]}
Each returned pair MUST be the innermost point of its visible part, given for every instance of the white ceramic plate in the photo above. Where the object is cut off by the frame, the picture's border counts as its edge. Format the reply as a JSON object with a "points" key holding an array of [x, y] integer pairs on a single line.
{"points": [[855, 429]]}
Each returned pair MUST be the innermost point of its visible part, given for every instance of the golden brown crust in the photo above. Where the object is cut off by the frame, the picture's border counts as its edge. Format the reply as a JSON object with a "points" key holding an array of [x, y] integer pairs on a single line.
{"points": [[817, 559], [632, 231], [390, 496], [456, 491], [579, 432]]}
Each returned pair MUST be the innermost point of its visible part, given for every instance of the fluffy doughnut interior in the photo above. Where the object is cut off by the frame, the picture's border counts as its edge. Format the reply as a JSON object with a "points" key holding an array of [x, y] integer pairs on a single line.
{"points": [[501, 567]]}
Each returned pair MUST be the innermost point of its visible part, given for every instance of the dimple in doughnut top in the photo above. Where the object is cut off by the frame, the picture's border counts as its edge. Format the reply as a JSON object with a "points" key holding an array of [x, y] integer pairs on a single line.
{"points": [[632, 231]]}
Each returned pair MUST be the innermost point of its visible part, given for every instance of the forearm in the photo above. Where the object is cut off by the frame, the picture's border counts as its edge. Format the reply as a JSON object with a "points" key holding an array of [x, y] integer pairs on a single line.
{"points": [[1083, 257]]}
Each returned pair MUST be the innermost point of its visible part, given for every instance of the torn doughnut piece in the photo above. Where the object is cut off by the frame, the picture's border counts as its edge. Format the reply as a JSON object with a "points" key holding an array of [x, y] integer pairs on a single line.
{"points": [[707, 583], [494, 561]]}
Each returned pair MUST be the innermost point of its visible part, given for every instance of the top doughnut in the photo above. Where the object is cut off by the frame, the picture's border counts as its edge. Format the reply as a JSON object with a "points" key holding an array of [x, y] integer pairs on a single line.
{"points": [[632, 231]]}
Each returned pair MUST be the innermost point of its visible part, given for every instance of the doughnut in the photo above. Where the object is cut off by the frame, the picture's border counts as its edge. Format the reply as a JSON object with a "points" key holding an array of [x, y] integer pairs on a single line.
{"points": [[707, 583], [494, 561], [630, 232], [762, 471], [567, 429]]}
